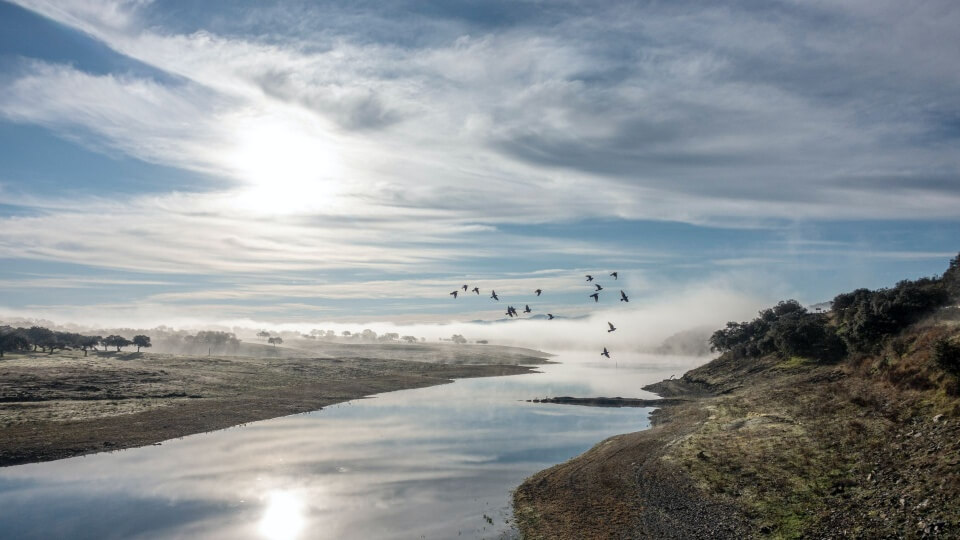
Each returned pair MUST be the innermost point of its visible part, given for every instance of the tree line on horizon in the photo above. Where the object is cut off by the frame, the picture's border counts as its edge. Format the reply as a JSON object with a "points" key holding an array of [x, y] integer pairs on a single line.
{"points": [[40, 337], [857, 322]]}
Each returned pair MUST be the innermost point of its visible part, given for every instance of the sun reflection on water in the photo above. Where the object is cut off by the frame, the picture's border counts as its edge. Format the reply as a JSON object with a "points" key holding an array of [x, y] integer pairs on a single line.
{"points": [[283, 518]]}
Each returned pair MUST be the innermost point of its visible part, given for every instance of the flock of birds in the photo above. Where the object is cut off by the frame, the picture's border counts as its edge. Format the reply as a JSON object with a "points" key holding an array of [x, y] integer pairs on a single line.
{"points": [[512, 312]]}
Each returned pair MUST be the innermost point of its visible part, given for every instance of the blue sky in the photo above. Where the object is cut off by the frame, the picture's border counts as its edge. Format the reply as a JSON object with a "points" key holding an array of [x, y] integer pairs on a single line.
{"points": [[306, 162]]}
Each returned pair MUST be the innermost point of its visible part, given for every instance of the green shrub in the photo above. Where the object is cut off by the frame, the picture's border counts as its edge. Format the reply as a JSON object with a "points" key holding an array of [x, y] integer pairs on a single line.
{"points": [[947, 356]]}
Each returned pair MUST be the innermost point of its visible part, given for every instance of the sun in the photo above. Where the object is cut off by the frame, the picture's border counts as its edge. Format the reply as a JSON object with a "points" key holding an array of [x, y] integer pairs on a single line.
{"points": [[286, 164]]}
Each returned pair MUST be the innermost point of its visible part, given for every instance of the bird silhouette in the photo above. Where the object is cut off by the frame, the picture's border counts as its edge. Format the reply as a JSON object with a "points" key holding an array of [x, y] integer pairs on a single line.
{"points": [[454, 293], [494, 296], [464, 288], [595, 296], [549, 316], [623, 297], [614, 274], [597, 285], [612, 327], [510, 311], [476, 290], [526, 308], [605, 353], [589, 277], [538, 291]]}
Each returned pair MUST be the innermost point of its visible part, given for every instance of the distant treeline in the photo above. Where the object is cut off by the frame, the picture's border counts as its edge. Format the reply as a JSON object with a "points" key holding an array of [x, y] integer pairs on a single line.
{"points": [[39, 337], [366, 335], [857, 322]]}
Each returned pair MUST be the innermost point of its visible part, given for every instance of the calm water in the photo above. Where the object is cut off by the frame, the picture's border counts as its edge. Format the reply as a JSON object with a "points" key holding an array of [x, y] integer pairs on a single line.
{"points": [[436, 462]]}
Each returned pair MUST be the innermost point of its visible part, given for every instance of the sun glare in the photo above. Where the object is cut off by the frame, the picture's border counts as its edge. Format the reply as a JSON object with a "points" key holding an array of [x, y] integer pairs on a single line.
{"points": [[287, 165], [283, 518]]}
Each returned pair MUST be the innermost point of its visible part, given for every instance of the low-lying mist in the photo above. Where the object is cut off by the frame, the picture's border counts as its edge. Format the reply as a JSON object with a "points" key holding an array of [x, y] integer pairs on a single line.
{"points": [[684, 320]]}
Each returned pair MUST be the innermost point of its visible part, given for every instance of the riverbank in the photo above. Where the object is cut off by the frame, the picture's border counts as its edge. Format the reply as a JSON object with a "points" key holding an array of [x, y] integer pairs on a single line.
{"points": [[774, 447], [65, 404]]}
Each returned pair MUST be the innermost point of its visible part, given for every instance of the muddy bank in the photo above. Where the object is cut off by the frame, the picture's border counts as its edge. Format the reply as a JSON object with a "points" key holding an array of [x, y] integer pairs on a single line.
{"points": [[609, 401], [65, 404], [773, 447]]}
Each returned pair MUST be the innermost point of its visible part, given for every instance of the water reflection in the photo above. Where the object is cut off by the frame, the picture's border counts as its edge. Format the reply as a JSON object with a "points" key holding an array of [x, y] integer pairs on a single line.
{"points": [[283, 518], [436, 462]]}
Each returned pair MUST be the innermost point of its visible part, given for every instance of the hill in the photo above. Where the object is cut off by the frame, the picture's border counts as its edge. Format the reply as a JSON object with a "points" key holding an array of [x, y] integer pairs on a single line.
{"points": [[824, 425]]}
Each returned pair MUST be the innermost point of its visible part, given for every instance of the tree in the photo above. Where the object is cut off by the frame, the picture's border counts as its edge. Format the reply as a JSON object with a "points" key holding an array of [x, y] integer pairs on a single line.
{"points": [[40, 337], [458, 339], [89, 342], [345, 333], [12, 339], [368, 335], [275, 341], [117, 341], [410, 339], [142, 341], [263, 334]]}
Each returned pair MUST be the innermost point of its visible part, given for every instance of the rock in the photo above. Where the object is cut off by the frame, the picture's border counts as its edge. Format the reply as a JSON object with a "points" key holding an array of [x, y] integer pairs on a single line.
{"points": [[937, 418]]}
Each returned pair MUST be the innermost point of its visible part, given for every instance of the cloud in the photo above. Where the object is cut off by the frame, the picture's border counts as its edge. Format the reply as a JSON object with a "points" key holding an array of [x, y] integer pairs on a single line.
{"points": [[524, 123], [352, 148]]}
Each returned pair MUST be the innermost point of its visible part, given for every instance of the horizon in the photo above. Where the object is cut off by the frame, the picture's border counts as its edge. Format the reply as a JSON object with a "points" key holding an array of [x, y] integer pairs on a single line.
{"points": [[308, 165]]}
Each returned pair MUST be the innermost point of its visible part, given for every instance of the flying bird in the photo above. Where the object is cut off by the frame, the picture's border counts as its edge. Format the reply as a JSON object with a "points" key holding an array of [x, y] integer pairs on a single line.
{"points": [[589, 277], [495, 297], [538, 291], [614, 274], [476, 290], [605, 353], [464, 288], [509, 311], [549, 316], [526, 308], [612, 327], [623, 297], [597, 285], [454, 293], [595, 296]]}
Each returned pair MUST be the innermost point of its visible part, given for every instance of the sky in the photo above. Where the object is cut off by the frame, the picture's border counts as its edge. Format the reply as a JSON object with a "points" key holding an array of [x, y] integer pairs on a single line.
{"points": [[302, 163]]}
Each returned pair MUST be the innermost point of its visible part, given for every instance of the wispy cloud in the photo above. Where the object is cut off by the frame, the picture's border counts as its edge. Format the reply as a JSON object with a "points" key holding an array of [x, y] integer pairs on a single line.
{"points": [[349, 143]]}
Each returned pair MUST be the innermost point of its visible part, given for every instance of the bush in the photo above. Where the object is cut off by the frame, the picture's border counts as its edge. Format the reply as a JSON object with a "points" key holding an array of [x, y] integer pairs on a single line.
{"points": [[866, 317], [947, 356], [787, 328]]}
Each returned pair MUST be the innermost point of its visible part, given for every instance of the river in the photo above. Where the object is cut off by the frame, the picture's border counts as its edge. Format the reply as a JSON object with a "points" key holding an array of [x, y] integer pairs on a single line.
{"points": [[430, 463]]}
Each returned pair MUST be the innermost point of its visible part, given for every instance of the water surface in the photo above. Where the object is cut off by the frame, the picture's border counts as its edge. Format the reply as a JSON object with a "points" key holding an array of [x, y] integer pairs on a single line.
{"points": [[436, 462]]}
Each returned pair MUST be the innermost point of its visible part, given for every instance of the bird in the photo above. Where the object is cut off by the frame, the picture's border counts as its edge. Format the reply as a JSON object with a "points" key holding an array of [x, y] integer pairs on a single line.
{"points": [[597, 285], [538, 291], [589, 277], [464, 288], [549, 316], [612, 327], [454, 293], [476, 290], [513, 311], [623, 297], [494, 296], [526, 308], [595, 296], [605, 353], [509, 311], [614, 275]]}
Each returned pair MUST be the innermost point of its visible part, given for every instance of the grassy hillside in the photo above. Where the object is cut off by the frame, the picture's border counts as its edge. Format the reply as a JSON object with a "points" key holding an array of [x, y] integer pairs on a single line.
{"points": [[838, 424]]}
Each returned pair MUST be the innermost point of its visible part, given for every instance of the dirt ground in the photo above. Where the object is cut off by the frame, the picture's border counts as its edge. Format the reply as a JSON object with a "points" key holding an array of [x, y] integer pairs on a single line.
{"points": [[65, 404], [773, 448]]}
